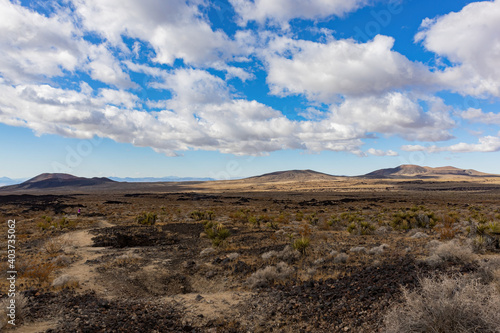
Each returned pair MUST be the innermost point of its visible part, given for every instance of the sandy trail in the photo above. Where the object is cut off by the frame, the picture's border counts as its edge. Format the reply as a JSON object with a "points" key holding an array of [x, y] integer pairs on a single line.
{"points": [[210, 306], [80, 244]]}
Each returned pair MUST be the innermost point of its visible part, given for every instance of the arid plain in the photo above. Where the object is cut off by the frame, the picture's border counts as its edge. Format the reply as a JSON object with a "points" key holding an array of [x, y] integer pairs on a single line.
{"points": [[293, 251]]}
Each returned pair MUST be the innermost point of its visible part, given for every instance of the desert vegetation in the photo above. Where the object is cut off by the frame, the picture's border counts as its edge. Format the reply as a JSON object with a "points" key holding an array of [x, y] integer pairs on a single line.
{"points": [[288, 261]]}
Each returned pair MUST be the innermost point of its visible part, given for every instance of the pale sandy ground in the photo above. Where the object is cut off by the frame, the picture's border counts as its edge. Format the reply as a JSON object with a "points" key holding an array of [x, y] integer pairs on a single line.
{"points": [[79, 243]]}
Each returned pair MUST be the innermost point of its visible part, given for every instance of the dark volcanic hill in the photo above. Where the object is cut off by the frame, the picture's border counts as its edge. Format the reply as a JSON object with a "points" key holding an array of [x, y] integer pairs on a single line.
{"points": [[291, 176], [415, 171], [54, 180]]}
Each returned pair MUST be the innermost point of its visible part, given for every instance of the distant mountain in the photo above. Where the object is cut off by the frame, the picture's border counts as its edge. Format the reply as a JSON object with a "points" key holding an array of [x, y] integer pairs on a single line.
{"points": [[416, 171], [291, 176], [5, 181], [54, 180], [161, 179]]}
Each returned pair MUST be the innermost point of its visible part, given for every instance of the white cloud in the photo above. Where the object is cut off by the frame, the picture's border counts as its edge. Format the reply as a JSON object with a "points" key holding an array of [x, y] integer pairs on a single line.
{"points": [[230, 125], [281, 11], [470, 40], [106, 68], [37, 48], [340, 67], [478, 116], [486, 144], [378, 152], [397, 114], [174, 28]]}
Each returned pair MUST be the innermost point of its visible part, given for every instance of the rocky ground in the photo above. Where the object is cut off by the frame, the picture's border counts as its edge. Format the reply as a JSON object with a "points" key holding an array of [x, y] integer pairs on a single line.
{"points": [[107, 273]]}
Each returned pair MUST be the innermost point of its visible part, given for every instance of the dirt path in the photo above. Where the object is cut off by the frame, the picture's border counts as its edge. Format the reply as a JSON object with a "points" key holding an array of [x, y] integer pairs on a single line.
{"points": [[221, 305], [81, 242]]}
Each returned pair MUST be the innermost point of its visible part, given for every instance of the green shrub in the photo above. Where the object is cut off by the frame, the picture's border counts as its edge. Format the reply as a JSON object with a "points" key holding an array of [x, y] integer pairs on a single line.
{"points": [[361, 228], [301, 244], [147, 218], [415, 217], [197, 215], [217, 233]]}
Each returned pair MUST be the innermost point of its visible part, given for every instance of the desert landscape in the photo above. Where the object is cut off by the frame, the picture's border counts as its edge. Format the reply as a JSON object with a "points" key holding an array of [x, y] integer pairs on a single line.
{"points": [[406, 249]]}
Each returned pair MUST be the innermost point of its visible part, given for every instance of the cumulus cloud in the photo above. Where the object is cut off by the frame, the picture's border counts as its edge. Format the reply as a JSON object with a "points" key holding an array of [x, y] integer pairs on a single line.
{"points": [[378, 152], [37, 48], [470, 40], [175, 29], [282, 11], [478, 116], [233, 126], [486, 144], [353, 90], [398, 114], [323, 71]]}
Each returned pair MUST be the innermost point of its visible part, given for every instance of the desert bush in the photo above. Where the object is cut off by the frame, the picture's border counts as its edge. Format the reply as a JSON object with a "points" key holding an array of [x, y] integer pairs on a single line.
{"points": [[39, 271], [147, 218], [415, 217], [489, 271], [313, 219], [241, 215], [62, 223], [197, 215], [56, 245], [361, 228], [486, 235], [20, 302], [269, 275], [444, 304], [451, 251], [217, 233], [447, 230], [301, 244]]}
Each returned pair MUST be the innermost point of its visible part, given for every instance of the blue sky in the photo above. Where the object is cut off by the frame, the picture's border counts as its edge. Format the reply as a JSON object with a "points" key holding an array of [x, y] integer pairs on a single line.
{"points": [[235, 88]]}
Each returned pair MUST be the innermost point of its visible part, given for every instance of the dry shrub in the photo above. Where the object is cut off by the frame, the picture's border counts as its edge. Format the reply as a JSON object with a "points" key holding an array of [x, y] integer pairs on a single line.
{"points": [[56, 245], [453, 252], [447, 231], [39, 271], [20, 301], [489, 271], [444, 304], [269, 275]]}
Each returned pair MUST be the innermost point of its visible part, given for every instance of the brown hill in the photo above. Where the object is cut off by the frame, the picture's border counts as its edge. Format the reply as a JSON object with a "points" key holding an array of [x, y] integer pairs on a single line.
{"points": [[54, 180], [290, 176], [415, 171]]}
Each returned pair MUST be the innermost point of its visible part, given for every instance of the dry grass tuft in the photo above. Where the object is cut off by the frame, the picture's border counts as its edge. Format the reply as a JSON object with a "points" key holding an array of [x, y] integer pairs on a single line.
{"points": [[451, 251], [446, 305], [20, 302], [269, 275]]}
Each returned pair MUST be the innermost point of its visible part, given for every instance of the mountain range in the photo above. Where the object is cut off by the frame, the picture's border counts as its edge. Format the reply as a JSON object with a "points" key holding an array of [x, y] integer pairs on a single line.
{"points": [[59, 180]]}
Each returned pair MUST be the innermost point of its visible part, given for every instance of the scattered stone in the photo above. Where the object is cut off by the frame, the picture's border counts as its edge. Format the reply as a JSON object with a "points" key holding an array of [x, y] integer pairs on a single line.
{"points": [[319, 261], [341, 258], [378, 249], [358, 249], [420, 235], [233, 256], [269, 255], [206, 252], [65, 281]]}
